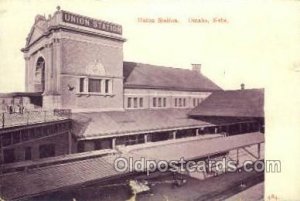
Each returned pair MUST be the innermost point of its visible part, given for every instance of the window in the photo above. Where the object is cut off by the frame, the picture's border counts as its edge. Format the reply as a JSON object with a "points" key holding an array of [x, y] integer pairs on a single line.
{"points": [[179, 102], [31, 133], [39, 78], [106, 86], [129, 102], [94, 85], [9, 155], [16, 137], [81, 85], [130, 140], [47, 150], [6, 139], [165, 102], [154, 102], [141, 102], [159, 102], [103, 144], [175, 102], [28, 153], [183, 102], [135, 104], [80, 147], [21, 101], [194, 102]]}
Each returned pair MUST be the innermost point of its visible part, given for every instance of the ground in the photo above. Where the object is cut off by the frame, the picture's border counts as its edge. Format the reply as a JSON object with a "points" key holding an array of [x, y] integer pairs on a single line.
{"points": [[254, 193], [216, 188]]}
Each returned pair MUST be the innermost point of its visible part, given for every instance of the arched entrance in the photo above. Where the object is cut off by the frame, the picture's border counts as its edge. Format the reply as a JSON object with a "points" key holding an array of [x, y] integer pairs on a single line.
{"points": [[39, 84]]}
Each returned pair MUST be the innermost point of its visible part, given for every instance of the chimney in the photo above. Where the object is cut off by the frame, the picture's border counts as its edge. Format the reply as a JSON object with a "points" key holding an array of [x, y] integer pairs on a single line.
{"points": [[242, 86], [196, 67]]}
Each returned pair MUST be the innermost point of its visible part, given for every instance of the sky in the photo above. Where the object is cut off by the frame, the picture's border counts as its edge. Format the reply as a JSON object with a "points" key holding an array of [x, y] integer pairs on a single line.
{"points": [[257, 42]]}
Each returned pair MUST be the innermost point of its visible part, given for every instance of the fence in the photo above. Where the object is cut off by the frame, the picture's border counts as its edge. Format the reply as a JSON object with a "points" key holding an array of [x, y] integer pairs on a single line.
{"points": [[31, 117]]}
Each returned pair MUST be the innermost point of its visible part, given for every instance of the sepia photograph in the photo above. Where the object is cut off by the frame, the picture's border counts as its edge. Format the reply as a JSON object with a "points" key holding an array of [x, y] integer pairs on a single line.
{"points": [[148, 100]]}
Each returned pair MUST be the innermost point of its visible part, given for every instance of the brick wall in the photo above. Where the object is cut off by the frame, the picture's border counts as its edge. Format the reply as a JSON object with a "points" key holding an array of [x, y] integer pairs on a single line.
{"points": [[78, 55]]}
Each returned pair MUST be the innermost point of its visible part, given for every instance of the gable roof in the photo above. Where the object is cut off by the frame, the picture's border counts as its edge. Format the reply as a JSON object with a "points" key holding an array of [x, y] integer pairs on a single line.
{"points": [[116, 123], [233, 103], [14, 186], [197, 148], [95, 167], [39, 28], [146, 76]]}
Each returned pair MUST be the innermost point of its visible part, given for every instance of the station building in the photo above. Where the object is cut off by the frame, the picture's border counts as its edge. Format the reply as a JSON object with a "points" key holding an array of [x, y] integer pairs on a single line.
{"points": [[74, 66]]}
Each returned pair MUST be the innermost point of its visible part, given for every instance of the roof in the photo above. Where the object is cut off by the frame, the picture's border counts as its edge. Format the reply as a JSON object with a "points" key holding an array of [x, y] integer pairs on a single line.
{"points": [[20, 94], [106, 124], [84, 172], [232, 103], [43, 27], [146, 76], [200, 148], [53, 178], [31, 164]]}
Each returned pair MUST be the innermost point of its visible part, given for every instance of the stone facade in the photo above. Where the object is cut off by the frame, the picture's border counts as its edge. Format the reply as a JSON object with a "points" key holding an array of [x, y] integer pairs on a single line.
{"points": [[70, 52]]}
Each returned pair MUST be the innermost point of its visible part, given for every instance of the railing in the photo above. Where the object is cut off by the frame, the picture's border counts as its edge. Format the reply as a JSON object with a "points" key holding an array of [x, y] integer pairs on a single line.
{"points": [[31, 117]]}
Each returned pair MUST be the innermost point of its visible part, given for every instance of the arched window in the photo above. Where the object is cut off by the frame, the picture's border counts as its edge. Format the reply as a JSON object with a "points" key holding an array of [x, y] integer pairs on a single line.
{"points": [[40, 75]]}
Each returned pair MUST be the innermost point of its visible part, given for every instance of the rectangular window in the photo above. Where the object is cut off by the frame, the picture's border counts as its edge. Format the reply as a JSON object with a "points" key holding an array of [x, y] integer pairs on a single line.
{"points": [[159, 102], [47, 150], [31, 133], [130, 140], [95, 85], [194, 102], [183, 102], [81, 85], [9, 155], [103, 144], [27, 153], [180, 102], [141, 102], [175, 102], [24, 135], [80, 147], [129, 102], [165, 102], [106, 86], [6, 139], [154, 102], [16, 137], [135, 103]]}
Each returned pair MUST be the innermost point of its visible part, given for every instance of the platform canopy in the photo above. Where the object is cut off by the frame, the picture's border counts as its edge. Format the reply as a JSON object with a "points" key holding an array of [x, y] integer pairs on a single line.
{"points": [[73, 174], [116, 123], [195, 149], [232, 103]]}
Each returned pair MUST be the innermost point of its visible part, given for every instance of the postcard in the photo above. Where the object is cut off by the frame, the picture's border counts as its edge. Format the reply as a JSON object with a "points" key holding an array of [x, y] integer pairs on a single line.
{"points": [[149, 100]]}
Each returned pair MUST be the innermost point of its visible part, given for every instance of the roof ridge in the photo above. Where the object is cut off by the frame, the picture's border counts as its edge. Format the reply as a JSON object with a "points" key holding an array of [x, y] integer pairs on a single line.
{"points": [[154, 65], [240, 90]]}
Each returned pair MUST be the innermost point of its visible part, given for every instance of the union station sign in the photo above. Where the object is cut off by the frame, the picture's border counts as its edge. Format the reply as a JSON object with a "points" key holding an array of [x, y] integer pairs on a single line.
{"points": [[91, 23]]}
